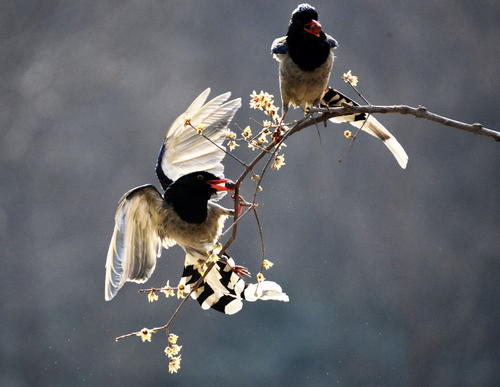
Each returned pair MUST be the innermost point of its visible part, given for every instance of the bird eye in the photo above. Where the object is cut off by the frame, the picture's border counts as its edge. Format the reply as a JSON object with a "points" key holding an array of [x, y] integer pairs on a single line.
{"points": [[199, 177]]}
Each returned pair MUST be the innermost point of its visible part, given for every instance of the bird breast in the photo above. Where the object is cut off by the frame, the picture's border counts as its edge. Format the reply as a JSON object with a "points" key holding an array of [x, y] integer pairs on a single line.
{"points": [[197, 236], [303, 88]]}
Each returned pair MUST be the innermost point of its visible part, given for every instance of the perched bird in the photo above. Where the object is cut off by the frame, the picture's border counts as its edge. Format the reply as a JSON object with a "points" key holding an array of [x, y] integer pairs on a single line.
{"points": [[305, 57], [191, 174], [365, 122]]}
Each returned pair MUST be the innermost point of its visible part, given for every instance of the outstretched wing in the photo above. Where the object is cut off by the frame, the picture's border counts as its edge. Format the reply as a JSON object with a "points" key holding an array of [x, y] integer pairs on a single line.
{"points": [[137, 239], [370, 125], [185, 151]]}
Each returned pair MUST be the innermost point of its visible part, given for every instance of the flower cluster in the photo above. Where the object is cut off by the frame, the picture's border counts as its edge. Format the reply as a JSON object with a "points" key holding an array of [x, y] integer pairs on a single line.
{"points": [[172, 352], [187, 120], [350, 78], [167, 290], [145, 334], [152, 296], [247, 133], [200, 266], [214, 254], [181, 289], [261, 101], [228, 133], [232, 139], [265, 102], [199, 129], [262, 139], [266, 264], [279, 161]]}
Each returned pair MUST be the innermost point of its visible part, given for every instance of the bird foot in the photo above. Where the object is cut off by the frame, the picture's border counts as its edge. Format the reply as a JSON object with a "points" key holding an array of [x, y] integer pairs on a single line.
{"points": [[277, 135], [242, 204], [240, 271]]}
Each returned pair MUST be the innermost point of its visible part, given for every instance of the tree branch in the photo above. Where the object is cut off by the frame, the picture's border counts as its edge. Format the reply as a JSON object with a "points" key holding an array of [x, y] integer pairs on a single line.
{"points": [[420, 112]]}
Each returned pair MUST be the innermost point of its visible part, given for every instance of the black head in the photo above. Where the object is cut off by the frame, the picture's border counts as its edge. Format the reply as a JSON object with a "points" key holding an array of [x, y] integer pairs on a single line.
{"points": [[202, 183], [305, 20], [307, 43], [303, 14], [190, 193]]}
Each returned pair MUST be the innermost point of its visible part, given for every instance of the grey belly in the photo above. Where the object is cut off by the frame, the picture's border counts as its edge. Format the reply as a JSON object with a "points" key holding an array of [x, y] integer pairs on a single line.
{"points": [[303, 88], [198, 236]]}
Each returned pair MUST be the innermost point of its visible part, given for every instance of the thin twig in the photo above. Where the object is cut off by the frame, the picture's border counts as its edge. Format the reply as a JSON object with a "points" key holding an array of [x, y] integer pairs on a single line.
{"points": [[359, 93], [177, 310], [261, 233], [367, 116], [240, 217], [221, 148], [156, 289]]}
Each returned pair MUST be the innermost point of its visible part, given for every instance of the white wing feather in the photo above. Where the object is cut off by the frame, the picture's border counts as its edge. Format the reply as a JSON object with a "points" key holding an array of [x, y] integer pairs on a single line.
{"points": [[185, 150], [137, 241]]}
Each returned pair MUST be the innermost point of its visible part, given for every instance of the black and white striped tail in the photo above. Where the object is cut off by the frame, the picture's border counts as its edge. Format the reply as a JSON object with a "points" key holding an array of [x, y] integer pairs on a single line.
{"points": [[367, 123], [224, 291]]}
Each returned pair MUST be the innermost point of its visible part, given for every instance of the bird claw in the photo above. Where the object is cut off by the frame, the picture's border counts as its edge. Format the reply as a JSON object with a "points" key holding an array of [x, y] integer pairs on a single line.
{"points": [[240, 271], [243, 203]]}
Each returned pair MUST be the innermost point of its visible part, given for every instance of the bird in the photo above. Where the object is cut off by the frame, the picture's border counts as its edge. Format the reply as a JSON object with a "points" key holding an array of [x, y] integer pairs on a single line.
{"points": [[305, 62], [190, 171], [366, 122], [305, 59]]}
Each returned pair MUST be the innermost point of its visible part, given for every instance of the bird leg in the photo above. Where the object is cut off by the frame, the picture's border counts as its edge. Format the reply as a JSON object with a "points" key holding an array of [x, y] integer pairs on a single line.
{"points": [[277, 136], [240, 271], [243, 203]]}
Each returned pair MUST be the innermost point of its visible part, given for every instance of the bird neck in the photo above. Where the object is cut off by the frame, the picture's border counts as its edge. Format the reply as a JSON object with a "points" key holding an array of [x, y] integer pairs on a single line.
{"points": [[192, 207], [306, 50]]}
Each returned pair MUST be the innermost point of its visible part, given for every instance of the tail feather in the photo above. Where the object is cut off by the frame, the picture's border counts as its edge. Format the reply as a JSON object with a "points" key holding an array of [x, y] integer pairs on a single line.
{"points": [[265, 290], [224, 291], [365, 122]]}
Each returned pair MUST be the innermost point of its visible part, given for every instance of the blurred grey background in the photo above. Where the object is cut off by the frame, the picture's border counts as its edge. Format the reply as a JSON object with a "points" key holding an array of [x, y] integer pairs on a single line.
{"points": [[393, 275]]}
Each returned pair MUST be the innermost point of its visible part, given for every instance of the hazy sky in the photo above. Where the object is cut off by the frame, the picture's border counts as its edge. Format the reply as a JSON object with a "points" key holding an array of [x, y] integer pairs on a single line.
{"points": [[393, 274]]}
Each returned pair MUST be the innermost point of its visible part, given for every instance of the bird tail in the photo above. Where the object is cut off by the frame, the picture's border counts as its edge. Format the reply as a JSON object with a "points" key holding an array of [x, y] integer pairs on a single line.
{"points": [[365, 122], [223, 290]]}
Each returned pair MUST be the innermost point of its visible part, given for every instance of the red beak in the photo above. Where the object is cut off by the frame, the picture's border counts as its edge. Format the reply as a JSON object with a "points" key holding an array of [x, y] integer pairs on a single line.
{"points": [[313, 28], [228, 184]]}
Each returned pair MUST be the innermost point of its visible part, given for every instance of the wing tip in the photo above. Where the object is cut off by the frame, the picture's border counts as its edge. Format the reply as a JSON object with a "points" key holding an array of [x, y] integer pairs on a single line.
{"points": [[109, 294], [205, 93]]}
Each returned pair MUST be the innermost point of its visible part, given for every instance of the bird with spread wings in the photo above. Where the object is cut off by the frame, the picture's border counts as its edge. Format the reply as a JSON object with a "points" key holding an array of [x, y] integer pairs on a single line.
{"points": [[190, 171]]}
